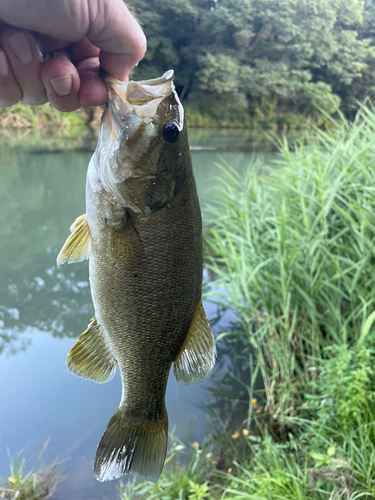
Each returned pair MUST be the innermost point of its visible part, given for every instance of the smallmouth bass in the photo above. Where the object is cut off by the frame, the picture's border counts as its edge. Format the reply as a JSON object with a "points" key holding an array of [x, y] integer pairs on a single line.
{"points": [[142, 234]]}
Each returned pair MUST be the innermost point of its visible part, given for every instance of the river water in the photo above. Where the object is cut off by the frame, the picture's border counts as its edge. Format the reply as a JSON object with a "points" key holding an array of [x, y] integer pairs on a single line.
{"points": [[43, 308]]}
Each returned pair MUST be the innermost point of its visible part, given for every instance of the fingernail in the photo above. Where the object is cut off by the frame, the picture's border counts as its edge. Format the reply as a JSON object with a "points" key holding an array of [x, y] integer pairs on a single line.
{"points": [[62, 85], [20, 45], [4, 67]]}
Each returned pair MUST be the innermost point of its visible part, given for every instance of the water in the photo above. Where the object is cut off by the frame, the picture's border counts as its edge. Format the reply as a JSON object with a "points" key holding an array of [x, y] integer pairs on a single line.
{"points": [[43, 308]]}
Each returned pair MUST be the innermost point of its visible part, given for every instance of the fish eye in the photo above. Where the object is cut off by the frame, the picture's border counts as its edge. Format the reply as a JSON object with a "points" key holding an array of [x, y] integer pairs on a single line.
{"points": [[170, 131]]}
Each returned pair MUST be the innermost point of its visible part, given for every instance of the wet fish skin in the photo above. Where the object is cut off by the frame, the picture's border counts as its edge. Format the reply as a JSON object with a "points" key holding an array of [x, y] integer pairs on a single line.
{"points": [[143, 235]]}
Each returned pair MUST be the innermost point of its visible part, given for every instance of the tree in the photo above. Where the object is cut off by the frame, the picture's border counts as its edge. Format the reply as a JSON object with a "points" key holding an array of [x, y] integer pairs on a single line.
{"points": [[250, 60]]}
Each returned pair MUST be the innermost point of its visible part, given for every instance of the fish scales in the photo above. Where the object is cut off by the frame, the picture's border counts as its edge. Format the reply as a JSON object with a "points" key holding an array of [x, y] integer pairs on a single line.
{"points": [[142, 233], [159, 272]]}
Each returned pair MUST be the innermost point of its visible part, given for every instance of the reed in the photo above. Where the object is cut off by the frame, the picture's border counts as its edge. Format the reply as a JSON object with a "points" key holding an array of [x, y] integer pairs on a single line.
{"points": [[292, 248]]}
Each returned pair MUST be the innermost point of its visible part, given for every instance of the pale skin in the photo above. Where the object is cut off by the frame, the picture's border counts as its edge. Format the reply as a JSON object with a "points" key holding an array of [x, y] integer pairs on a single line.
{"points": [[82, 36]]}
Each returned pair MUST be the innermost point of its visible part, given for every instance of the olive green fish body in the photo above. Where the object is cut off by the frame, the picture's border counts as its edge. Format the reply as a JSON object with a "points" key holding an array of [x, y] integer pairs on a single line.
{"points": [[145, 277], [142, 234]]}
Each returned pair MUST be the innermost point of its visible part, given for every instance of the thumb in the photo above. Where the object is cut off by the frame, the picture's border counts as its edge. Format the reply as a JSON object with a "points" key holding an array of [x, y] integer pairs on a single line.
{"points": [[117, 34]]}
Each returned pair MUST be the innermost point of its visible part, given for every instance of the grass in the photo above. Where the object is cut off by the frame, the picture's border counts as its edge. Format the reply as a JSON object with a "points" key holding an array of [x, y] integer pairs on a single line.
{"points": [[39, 483], [293, 248], [187, 475]]}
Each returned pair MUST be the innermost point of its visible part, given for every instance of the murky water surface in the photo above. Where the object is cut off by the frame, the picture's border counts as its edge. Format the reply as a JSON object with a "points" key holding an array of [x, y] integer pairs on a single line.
{"points": [[43, 308]]}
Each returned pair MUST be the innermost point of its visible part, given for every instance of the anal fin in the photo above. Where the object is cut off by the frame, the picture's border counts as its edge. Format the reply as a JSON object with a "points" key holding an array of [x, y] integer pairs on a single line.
{"points": [[198, 353], [78, 245], [90, 357]]}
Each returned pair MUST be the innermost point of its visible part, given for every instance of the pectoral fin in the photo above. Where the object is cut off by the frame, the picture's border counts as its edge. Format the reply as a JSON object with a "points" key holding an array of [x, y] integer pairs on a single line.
{"points": [[198, 353], [90, 357], [78, 245]]}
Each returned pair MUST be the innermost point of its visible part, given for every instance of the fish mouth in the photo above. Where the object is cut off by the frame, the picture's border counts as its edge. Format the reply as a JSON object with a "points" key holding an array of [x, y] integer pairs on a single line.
{"points": [[130, 135], [138, 98]]}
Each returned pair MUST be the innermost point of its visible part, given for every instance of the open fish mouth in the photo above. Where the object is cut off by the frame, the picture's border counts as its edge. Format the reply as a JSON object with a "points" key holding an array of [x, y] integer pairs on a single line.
{"points": [[131, 137], [139, 98]]}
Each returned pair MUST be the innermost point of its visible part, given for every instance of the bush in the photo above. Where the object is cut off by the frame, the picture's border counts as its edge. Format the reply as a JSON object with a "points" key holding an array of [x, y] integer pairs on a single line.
{"points": [[24, 116]]}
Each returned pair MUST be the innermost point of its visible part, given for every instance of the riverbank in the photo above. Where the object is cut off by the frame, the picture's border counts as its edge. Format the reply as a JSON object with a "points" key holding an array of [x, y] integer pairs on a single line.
{"points": [[21, 116]]}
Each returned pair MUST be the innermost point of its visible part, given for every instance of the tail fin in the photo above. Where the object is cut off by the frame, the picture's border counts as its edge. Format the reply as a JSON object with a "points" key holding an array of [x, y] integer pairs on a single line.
{"points": [[132, 444]]}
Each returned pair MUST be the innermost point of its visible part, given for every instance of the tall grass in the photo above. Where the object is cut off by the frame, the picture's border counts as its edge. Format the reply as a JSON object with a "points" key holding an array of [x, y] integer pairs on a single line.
{"points": [[293, 247], [38, 483]]}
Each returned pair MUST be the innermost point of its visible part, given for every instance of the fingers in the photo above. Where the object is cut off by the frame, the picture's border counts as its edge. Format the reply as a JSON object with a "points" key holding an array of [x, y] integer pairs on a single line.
{"points": [[10, 92], [119, 36], [24, 76], [92, 91], [21, 62], [65, 84], [62, 82]]}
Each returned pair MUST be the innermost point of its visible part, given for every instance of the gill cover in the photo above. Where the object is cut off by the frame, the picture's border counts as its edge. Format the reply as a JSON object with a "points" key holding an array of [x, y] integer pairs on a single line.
{"points": [[135, 159]]}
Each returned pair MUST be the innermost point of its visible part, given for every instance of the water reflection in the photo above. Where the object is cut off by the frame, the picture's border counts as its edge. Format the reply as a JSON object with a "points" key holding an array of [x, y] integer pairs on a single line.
{"points": [[228, 386], [229, 407], [40, 196]]}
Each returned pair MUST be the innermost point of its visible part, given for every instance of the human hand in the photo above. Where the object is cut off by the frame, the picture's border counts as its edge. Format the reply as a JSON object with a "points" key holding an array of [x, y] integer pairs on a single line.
{"points": [[87, 34]]}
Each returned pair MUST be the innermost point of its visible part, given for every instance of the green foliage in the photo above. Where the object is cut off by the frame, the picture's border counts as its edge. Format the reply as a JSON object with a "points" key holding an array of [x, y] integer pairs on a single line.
{"points": [[21, 115], [37, 484], [264, 59], [344, 404], [290, 471], [292, 248], [183, 478]]}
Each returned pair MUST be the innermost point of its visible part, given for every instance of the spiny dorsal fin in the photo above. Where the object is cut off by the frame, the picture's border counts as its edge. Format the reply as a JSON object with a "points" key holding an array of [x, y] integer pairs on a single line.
{"points": [[198, 353], [90, 357], [78, 245]]}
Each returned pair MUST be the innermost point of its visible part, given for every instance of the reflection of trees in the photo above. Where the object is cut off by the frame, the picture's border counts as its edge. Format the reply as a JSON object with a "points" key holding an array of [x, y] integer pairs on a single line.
{"points": [[227, 387], [229, 397], [50, 139], [244, 140], [46, 297], [40, 196]]}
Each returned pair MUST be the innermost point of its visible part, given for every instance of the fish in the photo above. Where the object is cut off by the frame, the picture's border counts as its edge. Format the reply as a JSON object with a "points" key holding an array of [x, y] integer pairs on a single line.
{"points": [[142, 234]]}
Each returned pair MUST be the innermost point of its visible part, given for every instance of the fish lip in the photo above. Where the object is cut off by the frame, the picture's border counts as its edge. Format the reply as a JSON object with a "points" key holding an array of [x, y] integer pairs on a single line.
{"points": [[140, 98], [166, 77], [109, 80]]}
